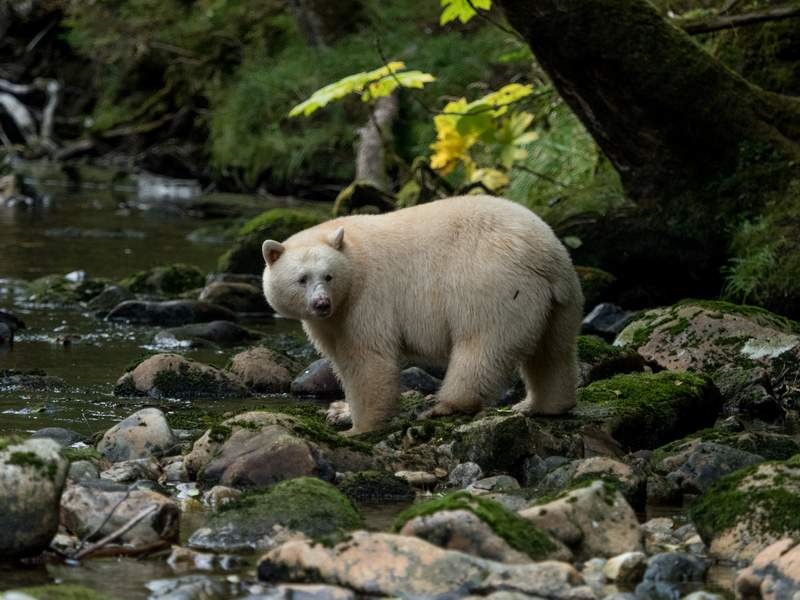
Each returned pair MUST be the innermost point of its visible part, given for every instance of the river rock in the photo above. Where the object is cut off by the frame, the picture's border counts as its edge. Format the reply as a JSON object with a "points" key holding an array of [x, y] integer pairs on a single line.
{"points": [[63, 437], [375, 487], [667, 574], [692, 467], [703, 336], [306, 505], [501, 442], [221, 333], [382, 564], [238, 297], [630, 482], [464, 474], [593, 521], [173, 376], [144, 434], [253, 450], [417, 380], [33, 380], [307, 591], [598, 359], [774, 573], [263, 370], [128, 471], [317, 381], [606, 320], [6, 335], [169, 280], [187, 587], [82, 470], [111, 296], [220, 495], [169, 313], [626, 568], [749, 509], [647, 410], [32, 476], [13, 322], [85, 510]]}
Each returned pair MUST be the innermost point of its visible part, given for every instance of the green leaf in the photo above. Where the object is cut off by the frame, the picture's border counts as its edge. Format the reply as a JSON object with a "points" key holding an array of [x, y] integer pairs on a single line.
{"points": [[386, 85], [461, 10]]}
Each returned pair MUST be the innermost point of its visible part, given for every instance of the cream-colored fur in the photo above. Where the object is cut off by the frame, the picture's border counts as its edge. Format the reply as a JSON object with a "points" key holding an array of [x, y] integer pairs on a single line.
{"points": [[477, 283]]}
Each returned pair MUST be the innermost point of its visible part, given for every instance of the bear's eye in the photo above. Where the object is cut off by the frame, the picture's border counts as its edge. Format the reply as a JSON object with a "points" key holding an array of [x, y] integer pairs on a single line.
{"points": [[328, 277], [303, 279]]}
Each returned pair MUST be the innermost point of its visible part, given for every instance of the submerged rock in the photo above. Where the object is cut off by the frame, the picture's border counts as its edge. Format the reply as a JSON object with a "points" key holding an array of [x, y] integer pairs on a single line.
{"points": [[94, 509], [32, 476], [221, 333], [169, 313], [173, 376], [144, 434]]}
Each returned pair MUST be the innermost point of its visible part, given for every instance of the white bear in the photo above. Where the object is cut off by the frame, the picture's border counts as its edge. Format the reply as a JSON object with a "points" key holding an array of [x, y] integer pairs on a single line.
{"points": [[477, 283]]}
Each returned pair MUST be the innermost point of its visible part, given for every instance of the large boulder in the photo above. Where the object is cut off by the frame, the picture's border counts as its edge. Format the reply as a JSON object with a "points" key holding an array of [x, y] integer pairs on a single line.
{"points": [[144, 434], [277, 224], [644, 410], [774, 573], [382, 564], [95, 509], [239, 297], [254, 450], [32, 476], [169, 313], [307, 505], [593, 520], [749, 509], [480, 527], [729, 342], [173, 376]]}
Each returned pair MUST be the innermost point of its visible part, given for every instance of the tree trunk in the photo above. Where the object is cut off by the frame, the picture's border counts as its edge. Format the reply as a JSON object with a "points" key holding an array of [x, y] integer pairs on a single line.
{"points": [[697, 147]]}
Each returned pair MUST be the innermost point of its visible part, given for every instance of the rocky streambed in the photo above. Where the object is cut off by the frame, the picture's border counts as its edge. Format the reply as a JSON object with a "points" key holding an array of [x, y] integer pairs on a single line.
{"points": [[165, 436]]}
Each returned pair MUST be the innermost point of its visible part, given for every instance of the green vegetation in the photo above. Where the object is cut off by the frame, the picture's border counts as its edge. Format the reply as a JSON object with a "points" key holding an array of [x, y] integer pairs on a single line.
{"points": [[305, 504], [376, 486], [520, 534], [764, 496], [75, 454], [34, 461], [168, 280], [54, 289], [643, 410]]}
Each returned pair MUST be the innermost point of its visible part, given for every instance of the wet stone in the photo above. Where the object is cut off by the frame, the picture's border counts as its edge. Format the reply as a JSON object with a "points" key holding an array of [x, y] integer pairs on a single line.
{"points": [[144, 434], [317, 381], [63, 437]]}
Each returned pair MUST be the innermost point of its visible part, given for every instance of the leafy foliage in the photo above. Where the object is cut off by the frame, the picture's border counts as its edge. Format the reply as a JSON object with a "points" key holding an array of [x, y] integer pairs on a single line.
{"points": [[368, 84], [463, 10]]}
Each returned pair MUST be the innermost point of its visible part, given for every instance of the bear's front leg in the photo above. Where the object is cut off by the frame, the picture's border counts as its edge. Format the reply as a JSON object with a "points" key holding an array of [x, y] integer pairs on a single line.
{"points": [[371, 384]]}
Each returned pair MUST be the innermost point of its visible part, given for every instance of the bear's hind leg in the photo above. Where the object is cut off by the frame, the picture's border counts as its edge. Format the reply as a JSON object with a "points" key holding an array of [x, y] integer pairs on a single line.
{"points": [[551, 374], [371, 386], [474, 376]]}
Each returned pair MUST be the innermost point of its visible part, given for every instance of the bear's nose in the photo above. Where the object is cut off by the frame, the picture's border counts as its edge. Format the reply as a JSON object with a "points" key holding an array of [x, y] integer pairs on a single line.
{"points": [[322, 304]]}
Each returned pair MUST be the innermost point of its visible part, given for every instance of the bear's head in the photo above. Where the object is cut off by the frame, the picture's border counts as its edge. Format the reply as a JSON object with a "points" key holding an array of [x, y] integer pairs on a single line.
{"points": [[307, 281]]}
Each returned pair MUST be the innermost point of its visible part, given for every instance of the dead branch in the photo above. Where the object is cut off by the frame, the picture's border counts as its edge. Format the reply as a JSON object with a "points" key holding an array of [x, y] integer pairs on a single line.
{"points": [[117, 533], [720, 22]]}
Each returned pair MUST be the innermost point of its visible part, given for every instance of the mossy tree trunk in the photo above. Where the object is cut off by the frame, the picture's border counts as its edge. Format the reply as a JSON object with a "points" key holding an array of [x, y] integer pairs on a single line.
{"points": [[697, 147]]}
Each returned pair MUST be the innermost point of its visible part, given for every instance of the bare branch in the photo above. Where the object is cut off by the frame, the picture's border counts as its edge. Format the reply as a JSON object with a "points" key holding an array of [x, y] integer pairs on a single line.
{"points": [[707, 25], [115, 534]]}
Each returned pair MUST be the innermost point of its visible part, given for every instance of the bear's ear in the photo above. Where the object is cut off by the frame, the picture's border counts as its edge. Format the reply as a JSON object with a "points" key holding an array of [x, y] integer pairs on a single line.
{"points": [[272, 251], [336, 240]]}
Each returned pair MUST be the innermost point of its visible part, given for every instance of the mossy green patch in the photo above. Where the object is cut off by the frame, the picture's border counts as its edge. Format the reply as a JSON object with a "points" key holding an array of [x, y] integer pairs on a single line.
{"points": [[756, 313], [75, 454], [594, 283], [764, 496], [304, 504], [592, 348], [24, 458], [65, 591], [169, 280], [54, 289], [520, 533], [277, 224], [644, 410], [376, 486]]}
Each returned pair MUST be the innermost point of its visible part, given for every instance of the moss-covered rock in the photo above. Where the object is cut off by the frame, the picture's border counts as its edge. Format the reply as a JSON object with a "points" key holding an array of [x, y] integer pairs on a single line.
{"points": [[520, 534], [277, 224], [729, 342], [62, 591], [749, 509], [772, 446], [305, 504], [56, 289], [168, 280], [598, 359], [376, 487], [643, 410]]}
